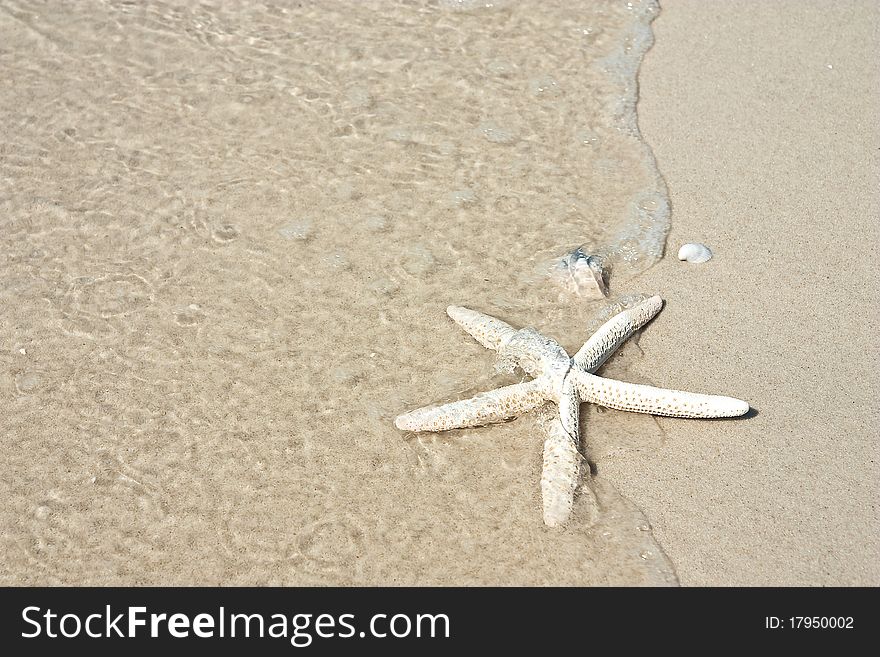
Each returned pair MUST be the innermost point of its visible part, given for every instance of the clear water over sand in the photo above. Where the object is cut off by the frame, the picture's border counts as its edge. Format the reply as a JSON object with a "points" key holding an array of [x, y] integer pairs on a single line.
{"points": [[229, 234]]}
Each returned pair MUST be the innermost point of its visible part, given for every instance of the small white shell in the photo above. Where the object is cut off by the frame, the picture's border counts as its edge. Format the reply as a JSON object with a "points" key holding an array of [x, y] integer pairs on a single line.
{"points": [[695, 253]]}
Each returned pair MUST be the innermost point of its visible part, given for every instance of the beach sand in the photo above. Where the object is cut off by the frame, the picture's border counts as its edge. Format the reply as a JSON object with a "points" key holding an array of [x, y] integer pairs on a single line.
{"points": [[229, 236], [763, 118]]}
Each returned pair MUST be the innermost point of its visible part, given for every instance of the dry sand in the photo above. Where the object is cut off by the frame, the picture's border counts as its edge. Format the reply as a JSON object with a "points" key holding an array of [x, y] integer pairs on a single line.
{"points": [[764, 121]]}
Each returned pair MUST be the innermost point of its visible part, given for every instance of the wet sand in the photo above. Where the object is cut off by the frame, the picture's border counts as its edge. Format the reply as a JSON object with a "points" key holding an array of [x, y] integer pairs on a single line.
{"points": [[764, 120], [230, 237]]}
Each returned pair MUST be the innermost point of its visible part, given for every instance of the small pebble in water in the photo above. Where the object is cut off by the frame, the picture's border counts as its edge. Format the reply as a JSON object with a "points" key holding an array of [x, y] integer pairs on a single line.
{"points": [[297, 230], [460, 197], [587, 137], [27, 382], [225, 233], [695, 253], [543, 86], [583, 274], [495, 133]]}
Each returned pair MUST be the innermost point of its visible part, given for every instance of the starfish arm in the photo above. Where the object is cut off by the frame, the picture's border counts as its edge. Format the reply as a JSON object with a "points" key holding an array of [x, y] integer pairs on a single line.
{"points": [[490, 332], [570, 410], [655, 401], [614, 333], [487, 407], [560, 474]]}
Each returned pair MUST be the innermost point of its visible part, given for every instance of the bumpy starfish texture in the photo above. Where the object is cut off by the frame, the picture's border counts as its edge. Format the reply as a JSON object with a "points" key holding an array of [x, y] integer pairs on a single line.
{"points": [[565, 381]]}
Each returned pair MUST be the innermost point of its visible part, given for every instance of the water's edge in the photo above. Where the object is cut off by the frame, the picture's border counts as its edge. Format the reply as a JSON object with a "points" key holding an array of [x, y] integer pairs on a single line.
{"points": [[641, 240]]}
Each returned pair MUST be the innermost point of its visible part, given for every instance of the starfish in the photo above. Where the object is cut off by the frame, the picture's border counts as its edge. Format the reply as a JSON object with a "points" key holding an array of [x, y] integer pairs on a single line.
{"points": [[565, 381]]}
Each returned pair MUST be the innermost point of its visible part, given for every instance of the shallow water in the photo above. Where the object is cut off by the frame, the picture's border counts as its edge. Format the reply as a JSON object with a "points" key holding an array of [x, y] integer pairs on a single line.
{"points": [[229, 234]]}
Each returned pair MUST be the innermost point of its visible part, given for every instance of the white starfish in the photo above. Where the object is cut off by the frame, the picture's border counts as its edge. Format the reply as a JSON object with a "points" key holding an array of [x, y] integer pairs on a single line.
{"points": [[566, 382]]}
